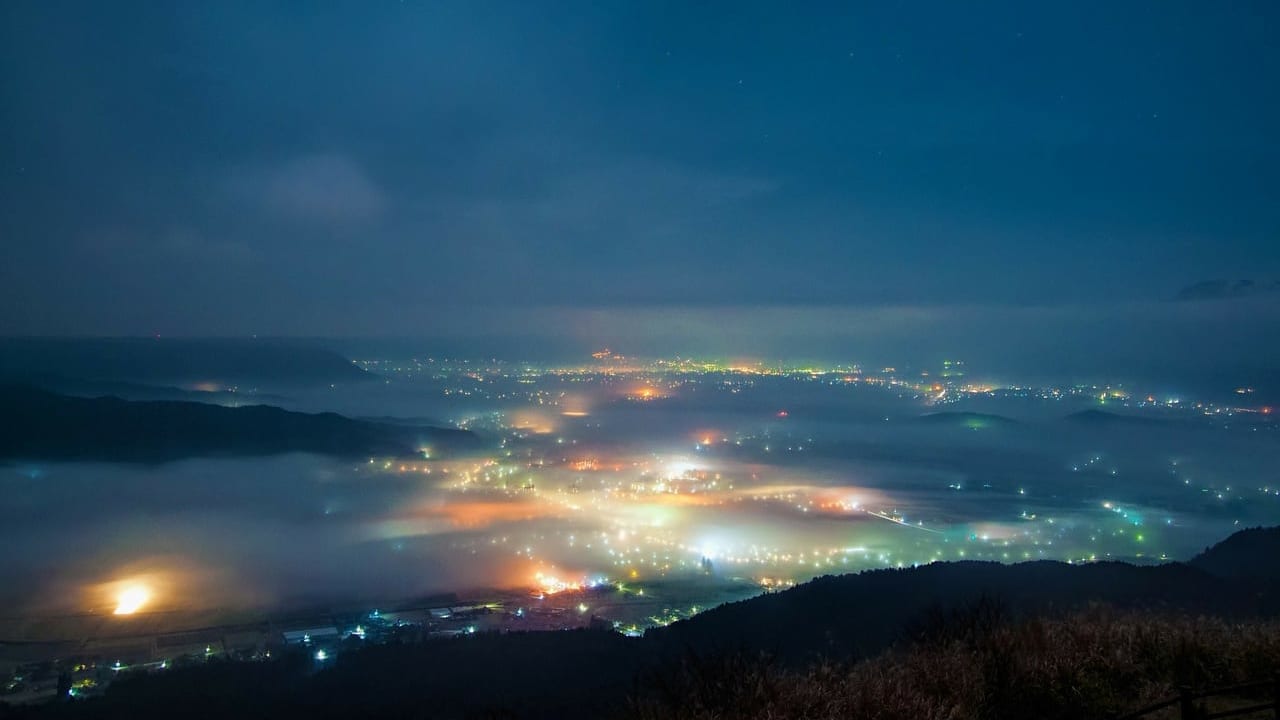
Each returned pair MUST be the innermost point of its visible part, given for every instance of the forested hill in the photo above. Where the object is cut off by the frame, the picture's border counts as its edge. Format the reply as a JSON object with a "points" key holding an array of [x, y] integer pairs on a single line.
{"points": [[860, 615]]}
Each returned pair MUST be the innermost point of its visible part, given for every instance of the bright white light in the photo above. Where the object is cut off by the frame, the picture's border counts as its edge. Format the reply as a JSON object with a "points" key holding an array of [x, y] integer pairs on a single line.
{"points": [[321, 655], [131, 599], [679, 468]]}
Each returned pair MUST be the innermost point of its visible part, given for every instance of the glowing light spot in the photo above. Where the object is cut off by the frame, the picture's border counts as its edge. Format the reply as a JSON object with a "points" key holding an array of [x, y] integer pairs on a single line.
{"points": [[131, 599]]}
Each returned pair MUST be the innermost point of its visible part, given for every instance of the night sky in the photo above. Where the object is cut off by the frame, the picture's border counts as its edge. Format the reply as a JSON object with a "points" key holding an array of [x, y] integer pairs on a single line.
{"points": [[378, 168]]}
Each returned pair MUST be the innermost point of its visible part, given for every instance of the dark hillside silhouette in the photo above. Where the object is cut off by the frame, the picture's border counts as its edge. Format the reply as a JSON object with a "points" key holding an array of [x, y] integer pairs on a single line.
{"points": [[1252, 553], [46, 426]]}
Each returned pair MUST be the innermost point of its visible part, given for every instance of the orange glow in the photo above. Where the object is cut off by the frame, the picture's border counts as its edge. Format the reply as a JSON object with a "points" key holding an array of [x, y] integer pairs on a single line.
{"points": [[553, 582], [645, 393], [707, 436], [131, 598], [575, 405], [533, 421], [551, 585], [484, 513], [164, 583], [136, 590], [687, 499], [746, 365]]}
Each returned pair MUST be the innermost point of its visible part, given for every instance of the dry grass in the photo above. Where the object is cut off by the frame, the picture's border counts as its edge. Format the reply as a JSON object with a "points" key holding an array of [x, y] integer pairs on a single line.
{"points": [[973, 664]]}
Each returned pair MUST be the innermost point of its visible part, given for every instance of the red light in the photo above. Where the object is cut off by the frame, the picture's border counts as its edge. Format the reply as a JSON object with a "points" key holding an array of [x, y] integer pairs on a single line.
{"points": [[782, 413]]}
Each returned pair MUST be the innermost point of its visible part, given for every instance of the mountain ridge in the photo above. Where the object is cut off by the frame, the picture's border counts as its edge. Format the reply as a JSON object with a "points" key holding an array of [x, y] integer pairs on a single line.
{"points": [[1219, 289], [43, 425], [178, 361]]}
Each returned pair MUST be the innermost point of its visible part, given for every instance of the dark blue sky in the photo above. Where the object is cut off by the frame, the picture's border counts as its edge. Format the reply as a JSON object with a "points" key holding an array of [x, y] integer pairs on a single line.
{"points": [[365, 168]]}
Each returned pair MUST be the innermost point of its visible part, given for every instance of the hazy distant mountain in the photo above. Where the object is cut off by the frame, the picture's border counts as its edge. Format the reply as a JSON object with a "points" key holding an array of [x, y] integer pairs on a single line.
{"points": [[176, 361], [417, 421], [968, 420], [43, 425], [1225, 289], [142, 391], [1103, 418]]}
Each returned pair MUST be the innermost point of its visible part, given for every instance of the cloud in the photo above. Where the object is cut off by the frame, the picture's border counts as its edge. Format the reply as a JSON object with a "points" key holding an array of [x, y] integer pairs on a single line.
{"points": [[185, 243], [313, 188], [644, 193]]}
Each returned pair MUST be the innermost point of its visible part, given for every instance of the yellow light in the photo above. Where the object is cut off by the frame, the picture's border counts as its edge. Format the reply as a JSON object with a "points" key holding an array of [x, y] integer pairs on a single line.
{"points": [[131, 599]]}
